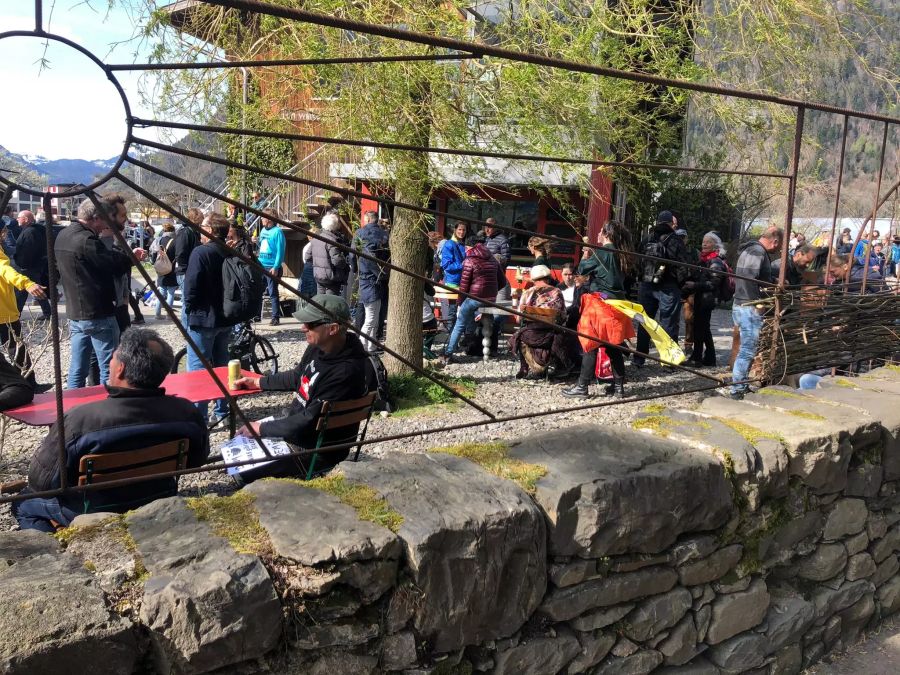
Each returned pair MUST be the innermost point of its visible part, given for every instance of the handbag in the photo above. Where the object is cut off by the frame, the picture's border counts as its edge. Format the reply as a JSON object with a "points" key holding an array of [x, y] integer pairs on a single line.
{"points": [[162, 265]]}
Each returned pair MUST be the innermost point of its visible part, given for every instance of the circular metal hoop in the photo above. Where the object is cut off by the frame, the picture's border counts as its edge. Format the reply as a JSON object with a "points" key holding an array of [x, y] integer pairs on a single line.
{"points": [[128, 118]]}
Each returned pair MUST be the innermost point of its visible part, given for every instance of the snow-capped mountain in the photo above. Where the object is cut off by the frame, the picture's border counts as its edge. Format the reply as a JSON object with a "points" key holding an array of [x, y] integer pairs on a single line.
{"points": [[62, 170]]}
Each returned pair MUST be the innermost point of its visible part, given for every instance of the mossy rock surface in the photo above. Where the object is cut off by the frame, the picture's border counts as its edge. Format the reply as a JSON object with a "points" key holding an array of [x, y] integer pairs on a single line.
{"points": [[494, 458]]}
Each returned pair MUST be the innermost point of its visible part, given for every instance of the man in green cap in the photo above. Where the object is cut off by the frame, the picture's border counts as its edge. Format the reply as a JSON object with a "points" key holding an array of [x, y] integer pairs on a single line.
{"points": [[334, 367]]}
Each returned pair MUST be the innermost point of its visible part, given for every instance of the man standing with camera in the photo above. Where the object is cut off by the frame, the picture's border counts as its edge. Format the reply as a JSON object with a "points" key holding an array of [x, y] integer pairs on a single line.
{"points": [[662, 277]]}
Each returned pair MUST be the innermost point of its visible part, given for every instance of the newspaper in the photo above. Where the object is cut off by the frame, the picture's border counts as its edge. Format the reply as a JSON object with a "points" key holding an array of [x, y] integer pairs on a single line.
{"points": [[242, 449]]}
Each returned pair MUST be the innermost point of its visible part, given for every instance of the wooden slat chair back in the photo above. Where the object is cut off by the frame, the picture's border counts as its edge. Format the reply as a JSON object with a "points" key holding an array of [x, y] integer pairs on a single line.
{"points": [[108, 466], [341, 414]]}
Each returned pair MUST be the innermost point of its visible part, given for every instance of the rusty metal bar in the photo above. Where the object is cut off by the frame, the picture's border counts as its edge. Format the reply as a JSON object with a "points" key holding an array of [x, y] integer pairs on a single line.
{"points": [[349, 192], [792, 193], [218, 466], [871, 246], [837, 196], [349, 60], [333, 21], [402, 270], [296, 291], [139, 122], [52, 282]]}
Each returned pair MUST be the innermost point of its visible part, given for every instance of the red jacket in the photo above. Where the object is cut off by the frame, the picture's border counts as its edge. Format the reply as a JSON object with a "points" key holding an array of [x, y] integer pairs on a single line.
{"points": [[481, 275]]}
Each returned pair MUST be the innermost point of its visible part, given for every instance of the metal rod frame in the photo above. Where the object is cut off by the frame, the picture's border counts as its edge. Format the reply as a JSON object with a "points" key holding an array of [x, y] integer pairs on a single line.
{"points": [[470, 50], [265, 63]]}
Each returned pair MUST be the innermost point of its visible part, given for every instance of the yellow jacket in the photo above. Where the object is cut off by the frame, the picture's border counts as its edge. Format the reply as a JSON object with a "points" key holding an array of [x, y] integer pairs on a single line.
{"points": [[11, 280]]}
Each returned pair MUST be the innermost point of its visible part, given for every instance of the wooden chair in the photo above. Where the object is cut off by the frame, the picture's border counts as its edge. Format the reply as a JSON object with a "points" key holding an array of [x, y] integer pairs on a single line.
{"points": [[109, 466], [342, 414]]}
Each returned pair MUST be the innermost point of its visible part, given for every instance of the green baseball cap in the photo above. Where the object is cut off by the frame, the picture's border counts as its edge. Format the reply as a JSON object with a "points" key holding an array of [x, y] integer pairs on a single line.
{"points": [[334, 309]]}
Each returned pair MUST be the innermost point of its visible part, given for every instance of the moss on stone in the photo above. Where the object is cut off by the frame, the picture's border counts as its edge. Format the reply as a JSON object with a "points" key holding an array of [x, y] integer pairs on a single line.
{"points": [[234, 518], [362, 498], [807, 415], [656, 424], [654, 408], [750, 433], [893, 367], [844, 382], [494, 458], [781, 393]]}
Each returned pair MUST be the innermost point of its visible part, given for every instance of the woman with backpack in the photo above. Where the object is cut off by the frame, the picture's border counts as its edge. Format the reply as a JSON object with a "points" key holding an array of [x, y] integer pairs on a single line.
{"points": [[707, 290], [167, 282]]}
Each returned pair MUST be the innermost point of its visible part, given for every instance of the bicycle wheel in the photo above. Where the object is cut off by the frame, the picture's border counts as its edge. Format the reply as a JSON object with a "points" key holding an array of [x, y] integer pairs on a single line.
{"points": [[180, 363], [263, 359]]}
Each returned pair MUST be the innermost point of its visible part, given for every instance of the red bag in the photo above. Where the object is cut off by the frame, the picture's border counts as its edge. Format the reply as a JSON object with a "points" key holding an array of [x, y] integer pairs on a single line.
{"points": [[604, 369]]}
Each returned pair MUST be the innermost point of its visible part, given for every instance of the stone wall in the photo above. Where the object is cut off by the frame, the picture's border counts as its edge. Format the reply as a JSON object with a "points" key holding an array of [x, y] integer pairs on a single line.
{"points": [[741, 537]]}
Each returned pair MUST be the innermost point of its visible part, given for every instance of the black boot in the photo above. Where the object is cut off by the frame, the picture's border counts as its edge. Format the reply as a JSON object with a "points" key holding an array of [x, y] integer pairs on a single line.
{"points": [[609, 388], [618, 386], [576, 391]]}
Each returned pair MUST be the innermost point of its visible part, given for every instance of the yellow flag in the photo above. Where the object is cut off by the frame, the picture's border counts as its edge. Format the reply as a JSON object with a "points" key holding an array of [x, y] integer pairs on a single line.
{"points": [[669, 351]]}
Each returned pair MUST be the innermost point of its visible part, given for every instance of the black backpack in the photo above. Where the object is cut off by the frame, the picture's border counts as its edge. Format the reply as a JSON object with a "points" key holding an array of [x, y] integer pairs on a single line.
{"points": [[377, 381], [650, 268], [243, 287]]}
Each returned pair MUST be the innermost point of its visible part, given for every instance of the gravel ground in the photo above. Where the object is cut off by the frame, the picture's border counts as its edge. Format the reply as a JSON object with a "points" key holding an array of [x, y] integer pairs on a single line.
{"points": [[497, 390]]}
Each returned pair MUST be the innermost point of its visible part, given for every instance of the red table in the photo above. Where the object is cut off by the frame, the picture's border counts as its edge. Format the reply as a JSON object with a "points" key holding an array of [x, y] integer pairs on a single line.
{"points": [[196, 386]]}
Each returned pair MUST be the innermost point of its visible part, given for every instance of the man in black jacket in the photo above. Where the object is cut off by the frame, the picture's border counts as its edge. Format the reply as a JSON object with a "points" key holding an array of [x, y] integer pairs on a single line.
{"points": [[186, 240], [661, 280], [334, 367], [31, 258], [138, 414], [88, 270], [204, 304]]}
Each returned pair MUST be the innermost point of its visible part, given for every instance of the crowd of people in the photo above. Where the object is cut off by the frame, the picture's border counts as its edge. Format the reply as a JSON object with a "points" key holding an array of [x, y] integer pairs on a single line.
{"points": [[346, 278]]}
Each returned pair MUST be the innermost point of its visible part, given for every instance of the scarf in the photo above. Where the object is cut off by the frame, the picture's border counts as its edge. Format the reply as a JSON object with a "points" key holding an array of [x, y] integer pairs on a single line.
{"points": [[706, 257]]}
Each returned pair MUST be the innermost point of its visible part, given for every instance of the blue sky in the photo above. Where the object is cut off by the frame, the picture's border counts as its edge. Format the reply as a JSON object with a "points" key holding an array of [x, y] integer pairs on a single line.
{"points": [[69, 109]]}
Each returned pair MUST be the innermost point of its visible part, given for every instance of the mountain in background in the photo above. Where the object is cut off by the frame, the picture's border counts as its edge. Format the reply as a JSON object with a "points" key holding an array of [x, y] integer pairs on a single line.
{"points": [[39, 171]]}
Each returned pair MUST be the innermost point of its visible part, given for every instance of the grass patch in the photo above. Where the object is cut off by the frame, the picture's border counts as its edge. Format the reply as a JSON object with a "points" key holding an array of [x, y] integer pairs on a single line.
{"points": [[654, 423], [751, 434], [807, 415], [654, 409], [494, 458], [364, 499], [412, 392], [844, 382], [234, 518]]}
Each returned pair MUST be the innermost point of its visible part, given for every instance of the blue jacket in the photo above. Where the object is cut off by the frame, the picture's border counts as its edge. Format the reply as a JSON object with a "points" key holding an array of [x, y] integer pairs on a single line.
{"points": [[372, 239], [271, 247], [452, 256]]}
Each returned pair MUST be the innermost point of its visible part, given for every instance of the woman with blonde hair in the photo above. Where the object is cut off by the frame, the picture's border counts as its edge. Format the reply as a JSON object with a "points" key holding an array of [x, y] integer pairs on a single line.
{"points": [[540, 249]]}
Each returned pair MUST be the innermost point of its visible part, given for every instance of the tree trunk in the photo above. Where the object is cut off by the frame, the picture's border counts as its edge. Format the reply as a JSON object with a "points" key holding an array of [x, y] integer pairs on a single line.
{"points": [[409, 242]]}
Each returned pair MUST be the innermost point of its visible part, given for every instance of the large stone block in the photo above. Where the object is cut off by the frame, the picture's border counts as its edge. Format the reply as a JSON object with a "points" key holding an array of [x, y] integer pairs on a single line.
{"points": [[887, 569], [538, 656], [609, 492], [315, 529], [594, 648], [819, 449], [847, 516], [24, 544], [829, 601], [737, 612], [566, 603], [475, 545], [639, 663], [889, 596], [699, 666], [709, 569], [655, 614], [825, 562], [860, 566], [741, 653], [788, 618], [681, 644], [205, 606], [55, 620]]}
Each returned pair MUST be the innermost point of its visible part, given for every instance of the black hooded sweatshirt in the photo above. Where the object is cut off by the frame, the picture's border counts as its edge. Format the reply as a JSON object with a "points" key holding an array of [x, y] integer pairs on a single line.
{"points": [[319, 377]]}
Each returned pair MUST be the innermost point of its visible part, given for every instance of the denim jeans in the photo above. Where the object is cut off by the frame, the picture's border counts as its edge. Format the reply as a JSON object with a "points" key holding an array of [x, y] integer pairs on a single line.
{"points": [[168, 292], [180, 279], [97, 336], [36, 514], [749, 322], [272, 289], [372, 324], [809, 380], [213, 344], [662, 298], [465, 319]]}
